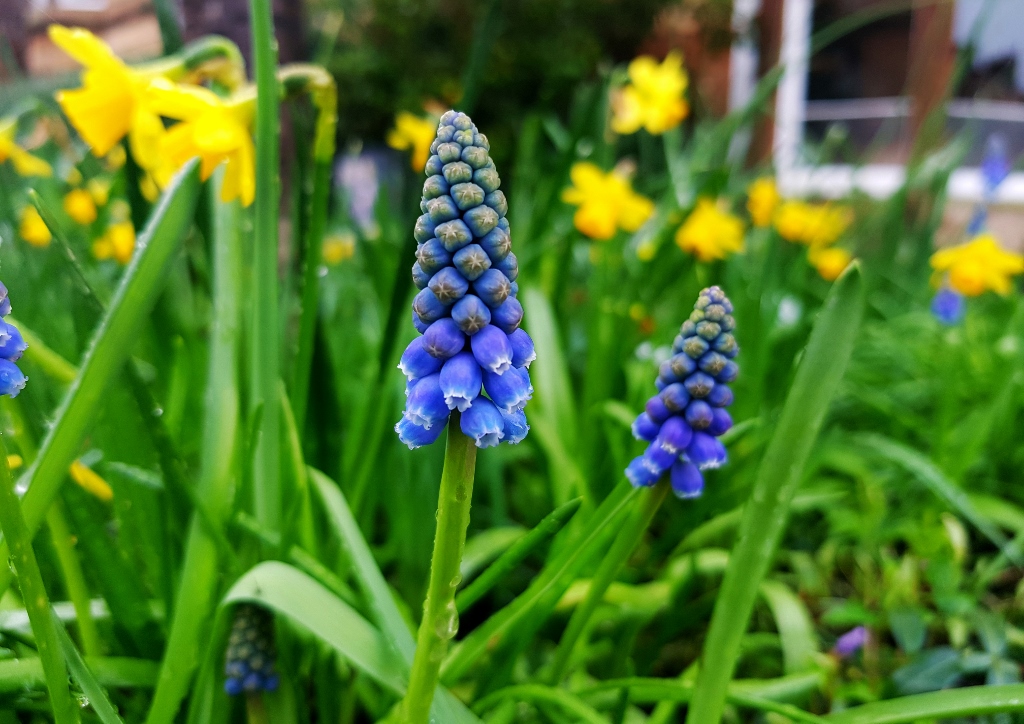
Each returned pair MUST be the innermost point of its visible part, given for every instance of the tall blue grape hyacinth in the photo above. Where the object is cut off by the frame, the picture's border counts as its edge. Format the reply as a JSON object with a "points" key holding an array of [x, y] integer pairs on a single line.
{"points": [[466, 311], [12, 346], [249, 661], [683, 421]]}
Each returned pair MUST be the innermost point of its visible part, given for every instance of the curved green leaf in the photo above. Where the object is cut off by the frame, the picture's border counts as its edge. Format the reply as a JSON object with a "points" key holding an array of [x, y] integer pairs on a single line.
{"points": [[81, 673], [306, 602], [796, 628], [569, 703], [969, 701]]}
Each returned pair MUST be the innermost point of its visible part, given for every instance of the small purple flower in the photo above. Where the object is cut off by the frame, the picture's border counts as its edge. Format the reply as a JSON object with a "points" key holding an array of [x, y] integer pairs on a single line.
{"points": [[523, 352], [687, 481], [426, 404], [511, 390], [516, 426], [415, 436], [492, 349], [483, 423], [460, 381], [416, 362], [948, 306], [851, 642]]}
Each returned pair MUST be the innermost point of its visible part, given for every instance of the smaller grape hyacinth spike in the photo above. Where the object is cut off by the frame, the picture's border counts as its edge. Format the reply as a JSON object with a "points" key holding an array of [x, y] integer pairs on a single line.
{"points": [[684, 420], [12, 347], [249, 662], [473, 354], [948, 306]]}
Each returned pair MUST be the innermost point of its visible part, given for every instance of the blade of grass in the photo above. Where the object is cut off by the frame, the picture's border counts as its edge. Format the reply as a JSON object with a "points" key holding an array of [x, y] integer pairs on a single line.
{"points": [[111, 344], [33, 592], [195, 600], [547, 528], [569, 703], [81, 673], [764, 518], [17, 675], [265, 333], [969, 701], [74, 578]]}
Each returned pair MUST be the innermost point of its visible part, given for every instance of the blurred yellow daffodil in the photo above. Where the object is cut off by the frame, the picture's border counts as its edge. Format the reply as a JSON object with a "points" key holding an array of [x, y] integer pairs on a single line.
{"points": [[762, 201], [606, 202], [117, 243], [14, 462], [78, 204], [811, 224], [830, 261], [24, 162], [977, 266], [415, 133], [654, 98], [90, 481], [32, 228], [710, 232], [338, 248], [99, 189], [215, 129], [111, 103]]}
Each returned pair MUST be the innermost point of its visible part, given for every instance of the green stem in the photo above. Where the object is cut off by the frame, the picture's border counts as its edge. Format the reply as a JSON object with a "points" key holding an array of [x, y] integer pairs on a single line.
{"points": [[74, 579], [33, 592], [764, 517], [310, 290], [672, 140], [440, 617], [265, 332], [195, 602], [624, 545], [255, 709]]}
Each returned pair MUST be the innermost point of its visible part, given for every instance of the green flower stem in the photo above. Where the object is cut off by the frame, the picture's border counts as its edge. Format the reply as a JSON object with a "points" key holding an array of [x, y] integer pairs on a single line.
{"points": [[623, 546], [678, 170], [764, 517], [440, 617], [33, 592], [111, 344], [265, 330], [74, 579], [255, 709], [310, 290], [197, 588]]}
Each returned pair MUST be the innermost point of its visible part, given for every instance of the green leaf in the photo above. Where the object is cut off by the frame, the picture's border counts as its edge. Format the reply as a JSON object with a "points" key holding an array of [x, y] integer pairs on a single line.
{"points": [[569, 703], [111, 344], [293, 594], [796, 628], [547, 528], [487, 545], [17, 675], [969, 701], [87, 681], [764, 518]]}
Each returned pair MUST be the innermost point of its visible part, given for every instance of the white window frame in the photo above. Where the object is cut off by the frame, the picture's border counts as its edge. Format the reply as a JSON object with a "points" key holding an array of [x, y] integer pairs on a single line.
{"points": [[839, 180]]}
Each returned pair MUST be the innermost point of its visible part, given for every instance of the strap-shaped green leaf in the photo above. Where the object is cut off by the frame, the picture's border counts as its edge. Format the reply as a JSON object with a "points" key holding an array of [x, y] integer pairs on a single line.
{"points": [[969, 701]]}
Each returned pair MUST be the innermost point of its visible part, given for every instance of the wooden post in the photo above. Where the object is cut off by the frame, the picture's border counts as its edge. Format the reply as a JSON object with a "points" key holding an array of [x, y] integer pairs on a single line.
{"points": [[770, 43], [932, 59]]}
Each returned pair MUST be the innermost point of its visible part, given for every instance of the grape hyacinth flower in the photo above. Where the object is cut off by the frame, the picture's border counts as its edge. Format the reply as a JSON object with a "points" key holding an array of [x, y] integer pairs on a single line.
{"points": [[12, 346], [684, 420], [948, 306], [472, 356], [851, 642], [249, 662]]}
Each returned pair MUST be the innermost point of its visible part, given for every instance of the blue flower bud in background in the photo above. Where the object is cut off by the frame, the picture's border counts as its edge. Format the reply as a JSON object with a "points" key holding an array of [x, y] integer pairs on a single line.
{"points": [[684, 420], [995, 164], [12, 346], [473, 355], [948, 306], [249, 661]]}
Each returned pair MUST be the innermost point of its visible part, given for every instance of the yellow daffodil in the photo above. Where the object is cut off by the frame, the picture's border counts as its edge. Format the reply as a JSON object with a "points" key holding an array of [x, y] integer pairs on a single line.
{"points": [[654, 98], [762, 200], [99, 189], [32, 228], [80, 207], [606, 202], [338, 248], [415, 133], [90, 481], [830, 261], [710, 232], [116, 158], [14, 462], [215, 129], [111, 103], [978, 266], [117, 243], [814, 225], [24, 162]]}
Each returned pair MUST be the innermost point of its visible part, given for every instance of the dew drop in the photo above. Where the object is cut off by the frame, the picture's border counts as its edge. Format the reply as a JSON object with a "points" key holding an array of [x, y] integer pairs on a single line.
{"points": [[446, 624]]}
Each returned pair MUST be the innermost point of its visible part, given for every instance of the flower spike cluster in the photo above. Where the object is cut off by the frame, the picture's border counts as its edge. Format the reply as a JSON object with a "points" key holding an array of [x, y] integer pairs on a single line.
{"points": [[12, 346], [683, 421], [249, 664], [466, 310]]}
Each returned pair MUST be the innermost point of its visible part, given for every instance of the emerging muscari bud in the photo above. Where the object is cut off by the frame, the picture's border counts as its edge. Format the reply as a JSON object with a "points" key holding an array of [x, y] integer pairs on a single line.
{"points": [[473, 354], [683, 421], [249, 662], [12, 346]]}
